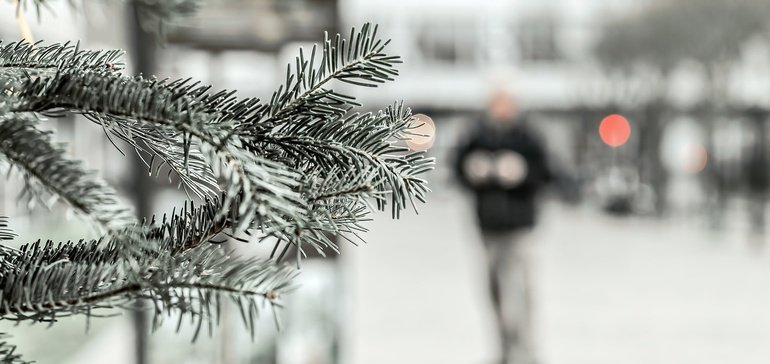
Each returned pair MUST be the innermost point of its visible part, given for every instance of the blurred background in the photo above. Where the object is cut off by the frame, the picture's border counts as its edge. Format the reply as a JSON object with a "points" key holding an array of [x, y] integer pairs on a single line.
{"points": [[650, 249]]}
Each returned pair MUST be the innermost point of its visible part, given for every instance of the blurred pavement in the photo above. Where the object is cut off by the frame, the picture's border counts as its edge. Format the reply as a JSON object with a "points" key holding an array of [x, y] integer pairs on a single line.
{"points": [[608, 290]]}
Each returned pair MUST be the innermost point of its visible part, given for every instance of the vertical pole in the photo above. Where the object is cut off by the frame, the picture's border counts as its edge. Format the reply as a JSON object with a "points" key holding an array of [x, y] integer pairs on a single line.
{"points": [[142, 51], [757, 174], [653, 117]]}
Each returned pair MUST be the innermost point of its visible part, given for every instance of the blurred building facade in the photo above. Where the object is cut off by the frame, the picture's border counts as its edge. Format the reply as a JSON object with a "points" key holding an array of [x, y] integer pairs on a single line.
{"points": [[456, 52]]}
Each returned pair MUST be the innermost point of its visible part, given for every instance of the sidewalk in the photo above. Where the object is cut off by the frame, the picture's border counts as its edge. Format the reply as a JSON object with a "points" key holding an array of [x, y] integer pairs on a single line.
{"points": [[607, 291], [417, 290]]}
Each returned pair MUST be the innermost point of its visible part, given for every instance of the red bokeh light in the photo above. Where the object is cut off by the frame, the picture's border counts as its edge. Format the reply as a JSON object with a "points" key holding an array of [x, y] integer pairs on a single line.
{"points": [[614, 130]]}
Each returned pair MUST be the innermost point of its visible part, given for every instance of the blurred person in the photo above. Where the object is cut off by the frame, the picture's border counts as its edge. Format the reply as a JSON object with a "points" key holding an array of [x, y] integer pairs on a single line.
{"points": [[504, 165], [618, 188]]}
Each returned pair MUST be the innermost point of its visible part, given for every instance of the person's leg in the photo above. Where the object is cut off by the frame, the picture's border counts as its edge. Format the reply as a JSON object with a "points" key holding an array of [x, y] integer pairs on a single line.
{"points": [[517, 298], [494, 245]]}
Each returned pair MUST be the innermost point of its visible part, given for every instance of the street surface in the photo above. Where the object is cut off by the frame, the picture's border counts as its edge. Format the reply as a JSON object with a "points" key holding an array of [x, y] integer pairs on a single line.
{"points": [[608, 290]]}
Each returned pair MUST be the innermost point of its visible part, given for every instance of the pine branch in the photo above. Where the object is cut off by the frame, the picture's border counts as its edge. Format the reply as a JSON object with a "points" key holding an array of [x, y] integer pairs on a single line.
{"points": [[137, 108], [5, 231], [193, 226], [58, 56], [21, 61], [182, 109], [298, 169], [339, 211], [148, 141], [198, 279], [214, 119], [47, 172], [37, 288], [341, 183], [365, 142], [310, 126], [359, 62], [177, 233], [187, 229], [176, 105], [6, 234], [258, 189], [49, 281], [165, 152], [261, 151]]}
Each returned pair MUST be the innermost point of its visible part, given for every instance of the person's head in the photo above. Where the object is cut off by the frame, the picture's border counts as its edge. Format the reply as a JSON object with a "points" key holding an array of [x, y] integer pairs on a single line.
{"points": [[502, 107]]}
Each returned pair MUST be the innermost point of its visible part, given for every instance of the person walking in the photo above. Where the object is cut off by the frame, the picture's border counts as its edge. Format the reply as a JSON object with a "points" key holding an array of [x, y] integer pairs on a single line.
{"points": [[504, 165]]}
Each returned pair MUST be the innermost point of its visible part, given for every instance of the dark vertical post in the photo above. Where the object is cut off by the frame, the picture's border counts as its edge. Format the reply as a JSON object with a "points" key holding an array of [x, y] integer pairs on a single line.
{"points": [[657, 175], [757, 174], [719, 174], [142, 52]]}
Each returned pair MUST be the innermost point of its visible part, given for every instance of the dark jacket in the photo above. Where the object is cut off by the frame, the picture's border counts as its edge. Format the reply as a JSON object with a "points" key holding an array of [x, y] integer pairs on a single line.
{"points": [[500, 208]]}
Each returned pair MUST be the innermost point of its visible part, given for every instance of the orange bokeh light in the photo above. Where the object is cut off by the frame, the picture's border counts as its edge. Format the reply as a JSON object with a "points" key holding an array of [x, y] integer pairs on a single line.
{"points": [[614, 130], [422, 133], [698, 159]]}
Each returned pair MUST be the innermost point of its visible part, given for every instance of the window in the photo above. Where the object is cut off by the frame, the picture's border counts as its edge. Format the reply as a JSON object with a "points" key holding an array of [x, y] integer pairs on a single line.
{"points": [[537, 39], [446, 43]]}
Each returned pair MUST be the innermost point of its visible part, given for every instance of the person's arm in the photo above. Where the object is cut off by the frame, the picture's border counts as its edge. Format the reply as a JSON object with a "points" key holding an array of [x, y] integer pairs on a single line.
{"points": [[468, 160], [461, 155], [540, 172]]}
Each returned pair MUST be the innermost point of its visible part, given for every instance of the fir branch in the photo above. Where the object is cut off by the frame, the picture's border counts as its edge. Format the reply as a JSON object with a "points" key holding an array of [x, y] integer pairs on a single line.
{"points": [[299, 168], [189, 228], [359, 61], [178, 105], [341, 218], [310, 128], [366, 143], [146, 109], [37, 288], [49, 281], [258, 190], [58, 56], [47, 171], [165, 152], [339, 202], [341, 185], [137, 108], [6, 233], [101, 251], [175, 233], [162, 104], [200, 278], [337, 211]]}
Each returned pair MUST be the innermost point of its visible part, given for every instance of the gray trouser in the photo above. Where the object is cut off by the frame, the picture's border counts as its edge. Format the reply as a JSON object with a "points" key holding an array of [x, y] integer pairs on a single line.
{"points": [[508, 255]]}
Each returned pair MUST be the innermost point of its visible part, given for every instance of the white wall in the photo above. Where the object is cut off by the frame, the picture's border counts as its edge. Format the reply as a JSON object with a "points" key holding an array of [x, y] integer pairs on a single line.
{"points": [[489, 27]]}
